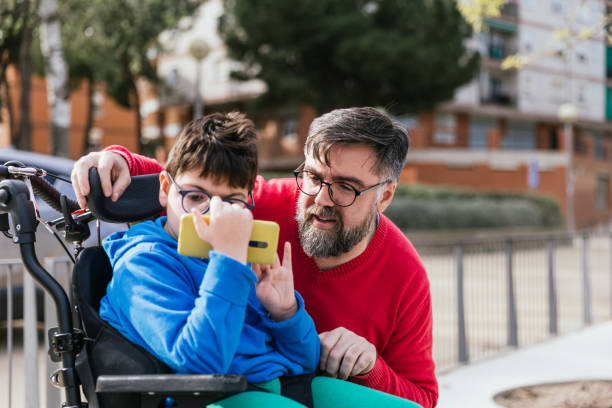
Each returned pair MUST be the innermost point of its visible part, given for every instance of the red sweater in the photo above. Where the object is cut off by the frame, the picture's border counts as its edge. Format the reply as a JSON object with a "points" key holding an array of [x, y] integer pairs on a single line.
{"points": [[387, 284]]}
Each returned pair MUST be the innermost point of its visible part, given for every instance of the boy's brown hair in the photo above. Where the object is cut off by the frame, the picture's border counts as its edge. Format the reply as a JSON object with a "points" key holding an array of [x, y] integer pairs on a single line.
{"points": [[221, 145]]}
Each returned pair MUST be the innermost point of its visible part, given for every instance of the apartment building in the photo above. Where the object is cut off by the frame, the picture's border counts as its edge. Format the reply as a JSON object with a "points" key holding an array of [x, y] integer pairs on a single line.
{"points": [[502, 131]]}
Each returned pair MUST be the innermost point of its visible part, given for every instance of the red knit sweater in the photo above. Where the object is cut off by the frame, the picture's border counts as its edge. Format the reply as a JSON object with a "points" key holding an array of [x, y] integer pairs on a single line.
{"points": [[382, 295]]}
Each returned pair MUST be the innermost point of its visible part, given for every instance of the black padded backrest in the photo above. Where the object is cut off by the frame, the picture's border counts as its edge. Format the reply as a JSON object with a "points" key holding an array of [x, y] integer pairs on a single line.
{"points": [[92, 272], [110, 353], [138, 202]]}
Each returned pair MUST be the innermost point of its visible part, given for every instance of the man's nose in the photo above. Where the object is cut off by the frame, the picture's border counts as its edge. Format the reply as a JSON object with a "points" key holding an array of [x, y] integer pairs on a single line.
{"points": [[323, 198]]}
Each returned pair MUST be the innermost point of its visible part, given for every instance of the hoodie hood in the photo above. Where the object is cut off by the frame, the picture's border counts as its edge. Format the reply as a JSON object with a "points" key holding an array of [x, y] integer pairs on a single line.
{"points": [[118, 243]]}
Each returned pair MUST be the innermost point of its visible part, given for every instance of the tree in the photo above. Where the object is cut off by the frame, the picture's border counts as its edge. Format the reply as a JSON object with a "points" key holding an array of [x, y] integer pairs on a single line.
{"points": [[58, 91], [112, 43], [403, 55], [18, 19]]}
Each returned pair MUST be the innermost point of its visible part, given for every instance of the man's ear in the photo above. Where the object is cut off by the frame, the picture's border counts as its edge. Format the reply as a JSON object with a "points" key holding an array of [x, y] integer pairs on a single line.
{"points": [[164, 188], [387, 196]]}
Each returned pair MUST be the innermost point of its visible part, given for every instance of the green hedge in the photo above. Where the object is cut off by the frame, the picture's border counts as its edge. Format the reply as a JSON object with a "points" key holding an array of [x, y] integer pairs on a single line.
{"points": [[421, 207]]}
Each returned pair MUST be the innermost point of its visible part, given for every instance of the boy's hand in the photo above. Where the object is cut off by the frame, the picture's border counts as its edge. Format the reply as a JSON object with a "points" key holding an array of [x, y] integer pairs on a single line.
{"points": [[274, 288], [229, 230], [112, 168]]}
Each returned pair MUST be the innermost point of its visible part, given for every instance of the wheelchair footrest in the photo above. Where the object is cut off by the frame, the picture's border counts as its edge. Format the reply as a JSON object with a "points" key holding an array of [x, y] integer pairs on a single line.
{"points": [[171, 383]]}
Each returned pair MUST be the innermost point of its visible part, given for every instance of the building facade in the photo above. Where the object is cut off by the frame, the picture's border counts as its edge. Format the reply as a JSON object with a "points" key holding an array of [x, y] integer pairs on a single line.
{"points": [[502, 131]]}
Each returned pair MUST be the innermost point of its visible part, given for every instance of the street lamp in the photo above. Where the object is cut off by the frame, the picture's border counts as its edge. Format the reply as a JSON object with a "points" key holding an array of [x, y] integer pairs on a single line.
{"points": [[198, 49], [568, 115]]}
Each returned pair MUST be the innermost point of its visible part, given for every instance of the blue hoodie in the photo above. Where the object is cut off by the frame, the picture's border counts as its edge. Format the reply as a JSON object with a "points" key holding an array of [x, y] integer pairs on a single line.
{"points": [[200, 316]]}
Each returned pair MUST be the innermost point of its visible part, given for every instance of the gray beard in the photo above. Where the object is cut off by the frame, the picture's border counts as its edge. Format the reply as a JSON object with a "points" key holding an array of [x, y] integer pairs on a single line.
{"points": [[318, 243]]}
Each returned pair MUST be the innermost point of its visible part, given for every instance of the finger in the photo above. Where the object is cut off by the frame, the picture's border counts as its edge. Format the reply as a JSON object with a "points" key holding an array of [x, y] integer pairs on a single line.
{"points": [[365, 362], [81, 173], [105, 166], [257, 270], [74, 178], [287, 256], [216, 207], [334, 358], [328, 341], [200, 225], [122, 182], [349, 358]]}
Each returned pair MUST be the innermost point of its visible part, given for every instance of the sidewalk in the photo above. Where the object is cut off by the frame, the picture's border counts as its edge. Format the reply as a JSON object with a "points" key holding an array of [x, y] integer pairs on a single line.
{"points": [[586, 354]]}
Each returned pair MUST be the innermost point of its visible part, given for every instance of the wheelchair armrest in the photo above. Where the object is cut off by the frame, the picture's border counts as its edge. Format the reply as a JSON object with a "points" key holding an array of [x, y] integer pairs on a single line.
{"points": [[171, 383], [138, 202]]}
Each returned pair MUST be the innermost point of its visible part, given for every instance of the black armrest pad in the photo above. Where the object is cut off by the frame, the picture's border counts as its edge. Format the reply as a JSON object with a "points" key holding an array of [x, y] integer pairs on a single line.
{"points": [[171, 383], [140, 200]]}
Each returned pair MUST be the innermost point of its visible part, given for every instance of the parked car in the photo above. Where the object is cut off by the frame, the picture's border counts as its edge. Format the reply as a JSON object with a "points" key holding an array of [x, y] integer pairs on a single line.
{"points": [[46, 245]]}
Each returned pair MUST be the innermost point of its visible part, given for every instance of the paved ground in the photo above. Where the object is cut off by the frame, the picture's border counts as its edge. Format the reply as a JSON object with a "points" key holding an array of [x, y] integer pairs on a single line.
{"points": [[585, 354]]}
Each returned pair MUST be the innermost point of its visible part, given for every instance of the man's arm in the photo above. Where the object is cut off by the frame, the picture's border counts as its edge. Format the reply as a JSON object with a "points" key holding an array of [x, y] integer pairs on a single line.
{"points": [[405, 366], [115, 165]]}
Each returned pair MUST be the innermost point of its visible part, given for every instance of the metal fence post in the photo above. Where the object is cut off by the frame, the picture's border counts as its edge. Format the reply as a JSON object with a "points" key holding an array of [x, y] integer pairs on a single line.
{"points": [[552, 290], [610, 274], [586, 286], [461, 335], [9, 333], [53, 393], [512, 323], [30, 340]]}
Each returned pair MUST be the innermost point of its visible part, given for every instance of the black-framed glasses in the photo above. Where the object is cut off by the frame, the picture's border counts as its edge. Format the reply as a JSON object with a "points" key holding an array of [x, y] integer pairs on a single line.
{"points": [[341, 193], [200, 199]]}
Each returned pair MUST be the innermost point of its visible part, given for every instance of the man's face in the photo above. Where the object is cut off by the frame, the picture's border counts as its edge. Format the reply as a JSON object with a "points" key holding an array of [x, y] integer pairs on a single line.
{"points": [[328, 230], [170, 197]]}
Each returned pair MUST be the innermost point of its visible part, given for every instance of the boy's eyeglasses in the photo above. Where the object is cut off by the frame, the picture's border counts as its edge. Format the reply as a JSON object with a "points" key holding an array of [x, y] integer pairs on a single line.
{"points": [[342, 194], [201, 199]]}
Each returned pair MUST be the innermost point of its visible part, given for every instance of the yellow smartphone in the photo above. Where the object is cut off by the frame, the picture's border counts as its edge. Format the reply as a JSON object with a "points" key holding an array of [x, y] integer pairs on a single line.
{"points": [[261, 250]]}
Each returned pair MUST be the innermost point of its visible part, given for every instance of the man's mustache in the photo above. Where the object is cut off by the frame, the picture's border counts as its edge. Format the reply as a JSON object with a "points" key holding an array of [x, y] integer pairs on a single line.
{"points": [[322, 212]]}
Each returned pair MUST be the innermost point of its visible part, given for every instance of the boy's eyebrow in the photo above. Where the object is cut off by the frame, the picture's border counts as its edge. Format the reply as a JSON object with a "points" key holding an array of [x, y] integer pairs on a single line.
{"points": [[196, 187], [336, 178]]}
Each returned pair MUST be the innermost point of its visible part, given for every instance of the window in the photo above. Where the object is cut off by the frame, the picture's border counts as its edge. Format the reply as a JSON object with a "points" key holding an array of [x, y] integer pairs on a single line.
{"points": [[519, 136], [601, 198], [444, 132], [599, 146], [557, 6], [479, 128], [290, 130]]}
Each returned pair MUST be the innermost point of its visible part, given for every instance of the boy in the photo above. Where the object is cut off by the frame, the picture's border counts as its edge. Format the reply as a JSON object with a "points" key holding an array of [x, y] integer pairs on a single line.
{"points": [[216, 315]]}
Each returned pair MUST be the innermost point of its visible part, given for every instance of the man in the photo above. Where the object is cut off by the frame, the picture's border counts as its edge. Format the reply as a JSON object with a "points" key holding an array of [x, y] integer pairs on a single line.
{"points": [[361, 279]]}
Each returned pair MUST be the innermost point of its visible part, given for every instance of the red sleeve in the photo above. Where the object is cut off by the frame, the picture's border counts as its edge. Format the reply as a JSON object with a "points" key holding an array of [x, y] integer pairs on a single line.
{"points": [[406, 368], [138, 165]]}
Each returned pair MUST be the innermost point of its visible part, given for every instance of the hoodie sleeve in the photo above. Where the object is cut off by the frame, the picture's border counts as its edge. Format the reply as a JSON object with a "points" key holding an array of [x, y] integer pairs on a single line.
{"points": [[296, 338], [156, 306]]}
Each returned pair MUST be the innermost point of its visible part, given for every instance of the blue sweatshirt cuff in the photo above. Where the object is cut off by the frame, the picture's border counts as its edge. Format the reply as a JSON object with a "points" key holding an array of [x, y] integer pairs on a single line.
{"points": [[227, 278], [292, 330]]}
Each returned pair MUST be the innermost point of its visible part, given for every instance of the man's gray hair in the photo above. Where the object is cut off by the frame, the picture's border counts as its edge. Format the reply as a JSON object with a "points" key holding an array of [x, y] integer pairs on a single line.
{"points": [[361, 126]]}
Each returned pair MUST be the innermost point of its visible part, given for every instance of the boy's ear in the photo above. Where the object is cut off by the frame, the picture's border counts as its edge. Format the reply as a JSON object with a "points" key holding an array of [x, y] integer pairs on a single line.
{"points": [[164, 188]]}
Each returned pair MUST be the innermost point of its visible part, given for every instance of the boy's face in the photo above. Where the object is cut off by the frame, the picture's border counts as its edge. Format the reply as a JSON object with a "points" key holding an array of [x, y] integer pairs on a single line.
{"points": [[172, 200]]}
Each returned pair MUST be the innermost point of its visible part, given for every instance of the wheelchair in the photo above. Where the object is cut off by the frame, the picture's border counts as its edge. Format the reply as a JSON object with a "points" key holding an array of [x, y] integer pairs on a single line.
{"points": [[95, 359]]}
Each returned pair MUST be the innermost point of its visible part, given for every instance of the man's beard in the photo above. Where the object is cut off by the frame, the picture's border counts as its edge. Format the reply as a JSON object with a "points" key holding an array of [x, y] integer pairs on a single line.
{"points": [[318, 243]]}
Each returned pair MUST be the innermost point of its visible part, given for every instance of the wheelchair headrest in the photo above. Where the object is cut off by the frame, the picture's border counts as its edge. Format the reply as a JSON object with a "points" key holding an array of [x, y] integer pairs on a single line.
{"points": [[138, 202]]}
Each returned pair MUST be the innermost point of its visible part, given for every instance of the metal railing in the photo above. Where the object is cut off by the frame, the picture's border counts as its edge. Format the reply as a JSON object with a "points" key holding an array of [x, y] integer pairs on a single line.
{"points": [[495, 294], [488, 296], [23, 356]]}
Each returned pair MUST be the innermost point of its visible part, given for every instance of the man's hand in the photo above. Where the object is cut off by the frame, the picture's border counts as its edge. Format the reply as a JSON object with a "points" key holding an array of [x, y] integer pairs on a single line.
{"points": [[112, 168], [274, 288], [345, 354]]}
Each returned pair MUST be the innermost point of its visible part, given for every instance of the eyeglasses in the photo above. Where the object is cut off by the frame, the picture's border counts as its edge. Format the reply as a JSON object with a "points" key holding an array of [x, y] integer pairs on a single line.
{"points": [[341, 193], [201, 199]]}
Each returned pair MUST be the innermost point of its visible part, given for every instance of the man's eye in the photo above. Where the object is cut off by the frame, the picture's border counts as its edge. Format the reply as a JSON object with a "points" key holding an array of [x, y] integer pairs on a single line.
{"points": [[196, 197], [312, 178], [345, 188]]}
